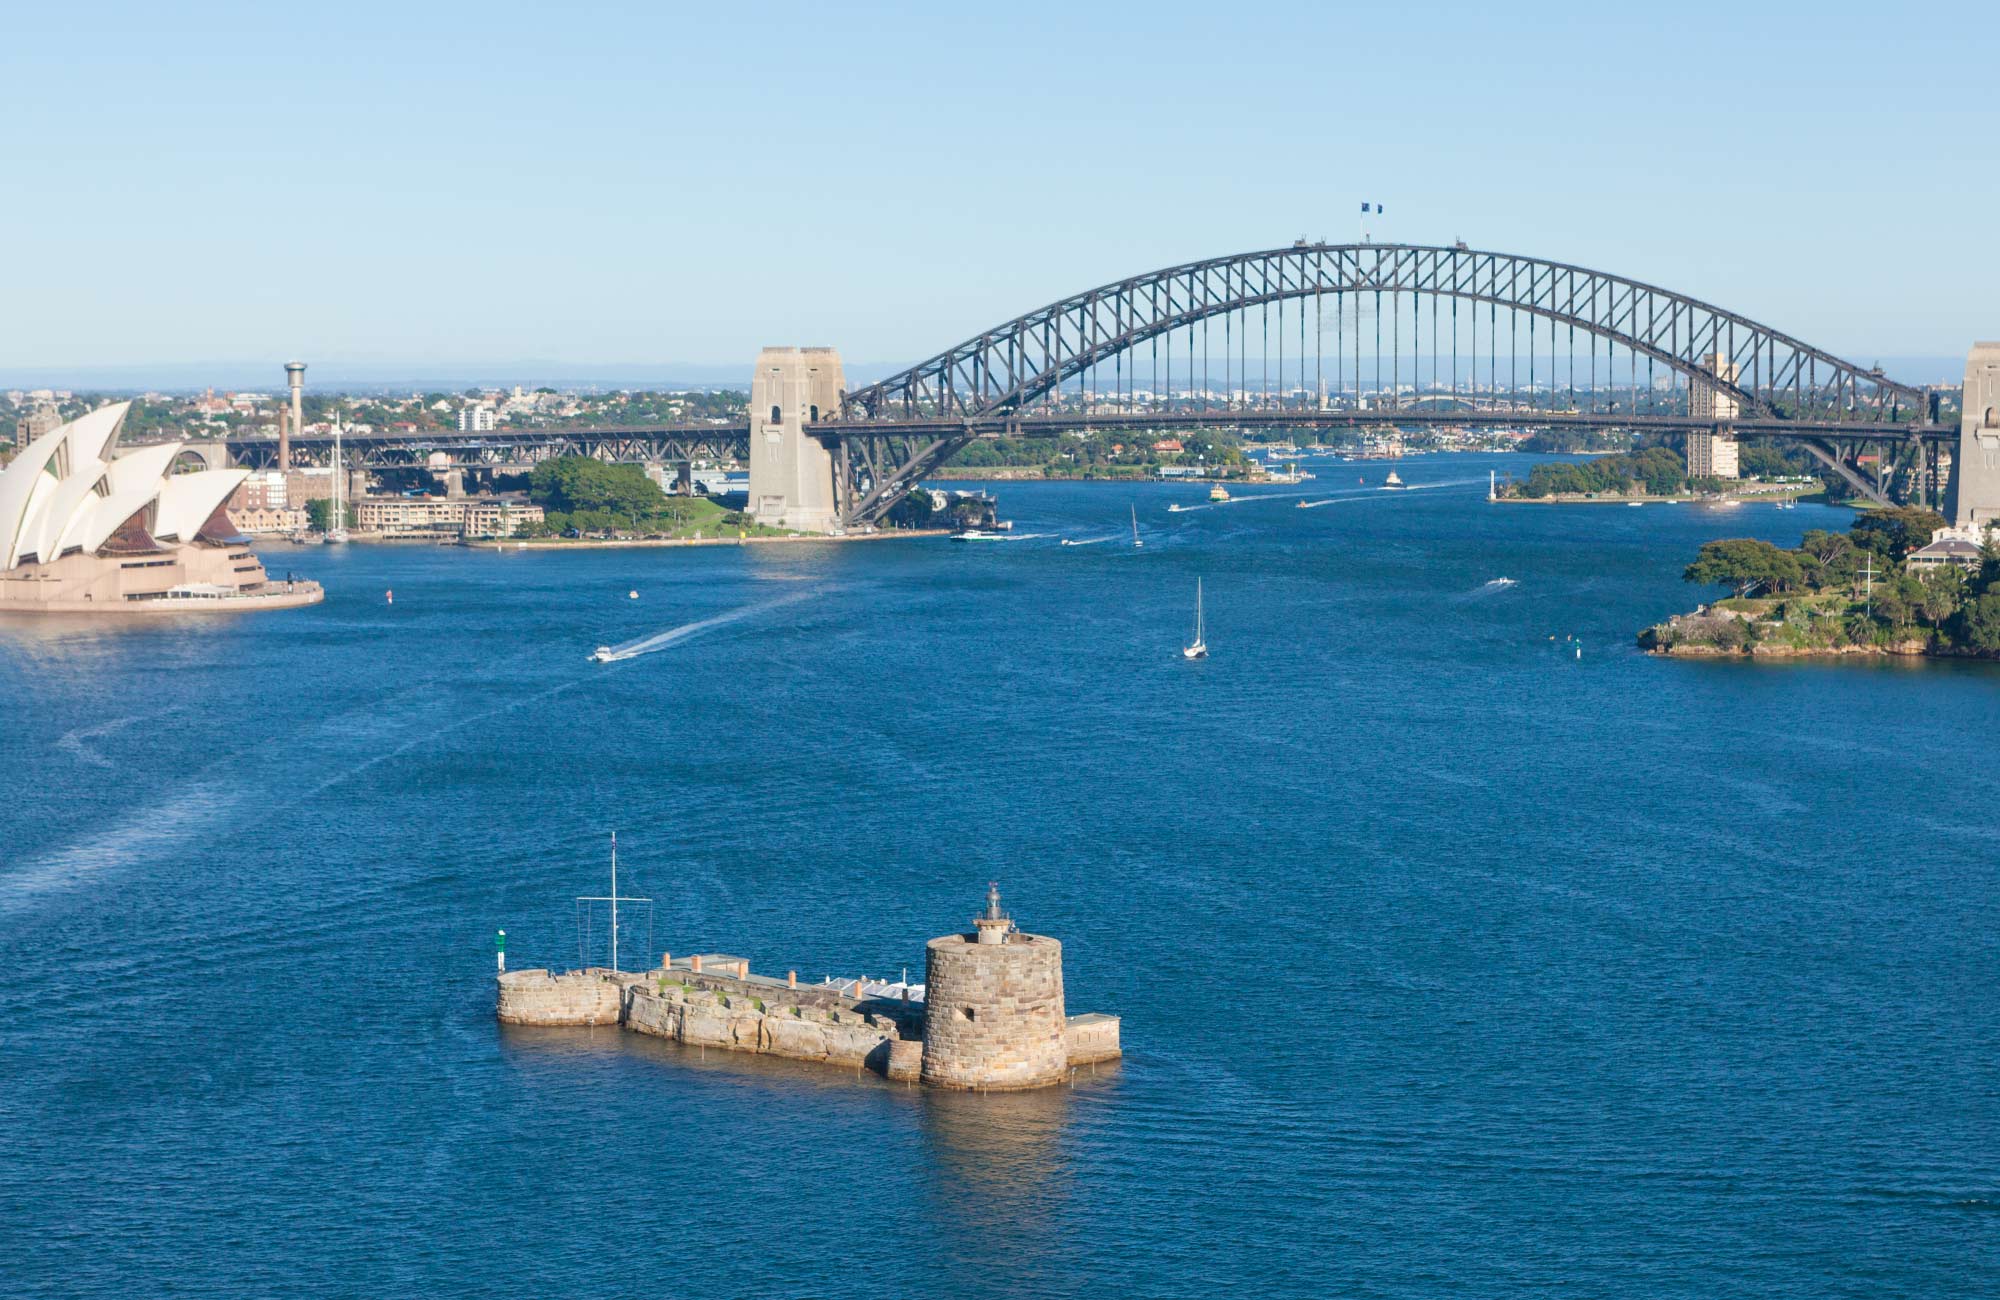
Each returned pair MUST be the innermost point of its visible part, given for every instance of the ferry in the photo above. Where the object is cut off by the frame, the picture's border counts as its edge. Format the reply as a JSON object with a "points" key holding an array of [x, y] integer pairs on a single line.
{"points": [[1218, 493], [978, 535], [1393, 483]]}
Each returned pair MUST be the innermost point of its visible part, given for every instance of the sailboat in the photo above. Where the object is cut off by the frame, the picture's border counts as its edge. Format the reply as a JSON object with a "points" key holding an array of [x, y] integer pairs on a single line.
{"points": [[1135, 527], [1199, 649], [336, 522]]}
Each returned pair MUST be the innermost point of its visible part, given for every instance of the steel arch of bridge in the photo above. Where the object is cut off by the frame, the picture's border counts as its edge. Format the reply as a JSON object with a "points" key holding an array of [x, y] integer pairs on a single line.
{"points": [[1003, 369]]}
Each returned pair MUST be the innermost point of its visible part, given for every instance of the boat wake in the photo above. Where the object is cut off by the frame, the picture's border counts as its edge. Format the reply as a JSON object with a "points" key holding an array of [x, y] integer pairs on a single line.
{"points": [[1450, 482], [1084, 541], [646, 645]]}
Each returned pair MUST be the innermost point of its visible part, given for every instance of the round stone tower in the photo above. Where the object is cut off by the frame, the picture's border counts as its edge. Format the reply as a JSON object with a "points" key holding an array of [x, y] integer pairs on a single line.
{"points": [[993, 1006]]}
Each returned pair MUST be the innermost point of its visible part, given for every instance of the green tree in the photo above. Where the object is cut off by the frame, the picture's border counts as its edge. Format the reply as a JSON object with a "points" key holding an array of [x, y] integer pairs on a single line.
{"points": [[1979, 623], [319, 513], [1943, 592], [1747, 565], [584, 485], [1894, 532]]}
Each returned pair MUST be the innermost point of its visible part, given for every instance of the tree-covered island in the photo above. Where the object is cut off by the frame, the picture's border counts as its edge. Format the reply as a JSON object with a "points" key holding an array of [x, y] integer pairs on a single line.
{"points": [[1839, 593], [1658, 472]]}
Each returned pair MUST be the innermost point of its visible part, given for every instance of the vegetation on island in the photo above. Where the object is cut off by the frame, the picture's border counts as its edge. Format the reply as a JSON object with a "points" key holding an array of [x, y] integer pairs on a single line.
{"points": [[1655, 471], [1838, 592], [1097, 454], [582, 496]]}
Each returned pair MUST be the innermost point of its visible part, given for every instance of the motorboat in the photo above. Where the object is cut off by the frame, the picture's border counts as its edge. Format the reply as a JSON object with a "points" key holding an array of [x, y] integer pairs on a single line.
{"points": [[602, 655]]}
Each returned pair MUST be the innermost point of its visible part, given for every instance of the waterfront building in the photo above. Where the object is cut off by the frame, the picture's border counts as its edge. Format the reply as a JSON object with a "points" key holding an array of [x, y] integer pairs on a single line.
{"points": [[1944, 551], [263, 490], [262, 521], [85, 529], [444, 517]]}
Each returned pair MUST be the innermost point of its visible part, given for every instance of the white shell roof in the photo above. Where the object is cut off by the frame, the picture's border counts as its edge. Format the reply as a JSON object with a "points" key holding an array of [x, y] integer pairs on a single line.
{"points": [[66, 506], [187, 500], [66, 490], [24, 489]]}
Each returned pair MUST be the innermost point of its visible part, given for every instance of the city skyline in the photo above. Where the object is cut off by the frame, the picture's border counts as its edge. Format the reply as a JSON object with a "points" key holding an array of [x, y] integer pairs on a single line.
{"points": [[651, 193]]}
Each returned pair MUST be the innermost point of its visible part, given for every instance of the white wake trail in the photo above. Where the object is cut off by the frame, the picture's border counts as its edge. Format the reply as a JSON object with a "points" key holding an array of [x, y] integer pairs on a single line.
{"points": [[675, 635]]}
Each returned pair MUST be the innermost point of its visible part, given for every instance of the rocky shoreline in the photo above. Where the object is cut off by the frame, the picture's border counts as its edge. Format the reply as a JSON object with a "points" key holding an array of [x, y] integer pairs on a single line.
{"points": [[1900, 649]]}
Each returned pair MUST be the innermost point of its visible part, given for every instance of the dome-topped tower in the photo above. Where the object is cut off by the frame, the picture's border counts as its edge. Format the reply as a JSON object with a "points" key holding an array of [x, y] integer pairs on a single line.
{"points": [[994, 1006]]}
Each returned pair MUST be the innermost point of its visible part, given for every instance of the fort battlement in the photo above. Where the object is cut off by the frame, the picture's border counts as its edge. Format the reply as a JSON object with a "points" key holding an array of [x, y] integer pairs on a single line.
{"points": [[991, 1015]]}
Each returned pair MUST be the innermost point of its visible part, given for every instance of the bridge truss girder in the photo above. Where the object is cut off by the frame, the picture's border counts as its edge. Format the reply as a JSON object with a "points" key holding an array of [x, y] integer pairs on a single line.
{"points": [[1005, 370], [507, 447]]}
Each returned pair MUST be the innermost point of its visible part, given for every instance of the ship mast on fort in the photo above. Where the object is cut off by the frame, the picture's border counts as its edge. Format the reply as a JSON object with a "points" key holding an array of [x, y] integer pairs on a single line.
{"points": [[614, 899]]}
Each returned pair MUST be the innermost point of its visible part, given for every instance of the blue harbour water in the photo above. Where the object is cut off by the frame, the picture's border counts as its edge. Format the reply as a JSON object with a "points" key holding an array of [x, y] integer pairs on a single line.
{"points": [[1450, 963]]}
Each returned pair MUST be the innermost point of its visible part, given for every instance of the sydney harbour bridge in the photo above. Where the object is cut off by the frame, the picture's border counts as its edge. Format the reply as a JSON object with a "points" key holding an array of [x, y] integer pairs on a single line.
{"points": [[1313, 336]]}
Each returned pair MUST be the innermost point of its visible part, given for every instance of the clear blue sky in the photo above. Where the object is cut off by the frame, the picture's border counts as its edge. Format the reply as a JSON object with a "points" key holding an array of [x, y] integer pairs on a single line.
{"points": [[435, 184]]}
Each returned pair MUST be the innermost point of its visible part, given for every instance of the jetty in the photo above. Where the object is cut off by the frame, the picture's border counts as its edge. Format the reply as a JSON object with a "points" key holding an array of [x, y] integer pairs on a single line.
{"points": [[989, 1014]]}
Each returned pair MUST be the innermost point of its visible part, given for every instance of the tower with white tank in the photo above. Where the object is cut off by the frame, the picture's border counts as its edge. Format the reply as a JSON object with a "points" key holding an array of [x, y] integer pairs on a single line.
{"points": [[295, 379]]}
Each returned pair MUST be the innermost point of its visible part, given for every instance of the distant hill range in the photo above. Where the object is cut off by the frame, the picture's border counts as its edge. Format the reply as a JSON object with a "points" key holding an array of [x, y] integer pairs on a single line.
{"points": [[377, 376]]}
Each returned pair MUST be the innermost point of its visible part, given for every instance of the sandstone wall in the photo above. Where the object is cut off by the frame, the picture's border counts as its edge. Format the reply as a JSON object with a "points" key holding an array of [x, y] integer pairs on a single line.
{"points": [[805, 1024], [535, 997], [994, 1017], [1092, 1037]]}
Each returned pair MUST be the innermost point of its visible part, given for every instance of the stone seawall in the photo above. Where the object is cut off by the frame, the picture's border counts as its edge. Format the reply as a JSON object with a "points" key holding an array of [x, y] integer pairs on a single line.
{"points": [[746, 1018], [578, 997], [996, 1020], [1091, 1038]]}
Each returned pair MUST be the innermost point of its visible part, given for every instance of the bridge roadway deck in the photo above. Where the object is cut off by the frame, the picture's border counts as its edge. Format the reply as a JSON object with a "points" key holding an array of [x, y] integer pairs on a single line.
{"points": [[671, 441], [1525, 417]]}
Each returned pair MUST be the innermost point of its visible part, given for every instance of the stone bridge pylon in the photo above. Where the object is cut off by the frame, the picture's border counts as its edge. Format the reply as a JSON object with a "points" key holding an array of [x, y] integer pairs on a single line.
{"points": [[792, 478], [1975, 469]]}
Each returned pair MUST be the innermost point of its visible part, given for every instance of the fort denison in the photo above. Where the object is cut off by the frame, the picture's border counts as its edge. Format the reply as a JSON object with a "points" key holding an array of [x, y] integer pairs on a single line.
{"points": [[989, 1014]]}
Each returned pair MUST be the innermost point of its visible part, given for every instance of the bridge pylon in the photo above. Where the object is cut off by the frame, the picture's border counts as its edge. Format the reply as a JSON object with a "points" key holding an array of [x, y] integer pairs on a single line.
{"points": [[1975, 470], [792, 473]]}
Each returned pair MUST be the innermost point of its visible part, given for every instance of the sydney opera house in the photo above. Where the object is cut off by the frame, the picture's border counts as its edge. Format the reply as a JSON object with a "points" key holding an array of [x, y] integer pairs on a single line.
{"points": [[84, 529]]}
